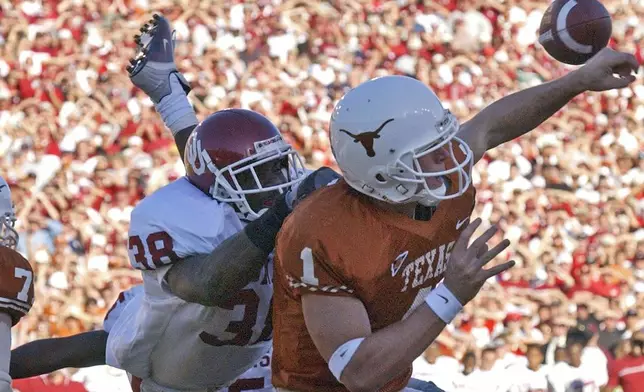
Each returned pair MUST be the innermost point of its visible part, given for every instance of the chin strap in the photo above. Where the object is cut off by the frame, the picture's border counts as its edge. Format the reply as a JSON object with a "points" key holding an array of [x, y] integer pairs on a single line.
{"points": [[423, 213]]}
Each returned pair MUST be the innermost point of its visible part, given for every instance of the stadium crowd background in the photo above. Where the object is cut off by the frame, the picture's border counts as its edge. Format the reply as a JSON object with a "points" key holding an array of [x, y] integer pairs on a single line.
{"points": [[80, 146]]}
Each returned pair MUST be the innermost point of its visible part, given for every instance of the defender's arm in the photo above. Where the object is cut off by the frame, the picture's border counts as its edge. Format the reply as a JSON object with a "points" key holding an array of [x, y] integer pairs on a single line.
{"points": [[48, 355], [212, 279], [181, 139]]}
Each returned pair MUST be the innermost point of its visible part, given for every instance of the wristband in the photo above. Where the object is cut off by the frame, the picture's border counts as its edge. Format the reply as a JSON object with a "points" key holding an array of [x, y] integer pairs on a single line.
{"points": [[342, 356], [175, 109], [263, 230], [443, 303]]}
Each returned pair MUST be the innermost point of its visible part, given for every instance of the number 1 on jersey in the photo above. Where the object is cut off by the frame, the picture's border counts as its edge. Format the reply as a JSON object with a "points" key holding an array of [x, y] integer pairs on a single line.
{"points": [[308, 274], [23, 295]]}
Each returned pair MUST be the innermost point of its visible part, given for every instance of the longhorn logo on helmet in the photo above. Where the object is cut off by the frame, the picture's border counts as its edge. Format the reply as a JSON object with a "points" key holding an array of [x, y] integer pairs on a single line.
{"points": [[367, 138]]}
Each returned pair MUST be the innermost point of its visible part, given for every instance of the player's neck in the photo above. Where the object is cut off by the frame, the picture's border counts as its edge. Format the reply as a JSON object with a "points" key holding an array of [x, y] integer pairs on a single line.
{"points": [[408, 209]]}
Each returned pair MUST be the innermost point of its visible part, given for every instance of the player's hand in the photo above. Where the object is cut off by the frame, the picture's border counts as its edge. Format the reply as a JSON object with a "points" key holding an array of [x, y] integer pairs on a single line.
{"points": [[318, 179], [607, 70], [465, 274]]}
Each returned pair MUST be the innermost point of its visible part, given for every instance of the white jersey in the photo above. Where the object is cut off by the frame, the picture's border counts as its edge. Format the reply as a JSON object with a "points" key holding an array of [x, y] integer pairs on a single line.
{"points": [[442, 373], [481, 380], [524, 379], [565, 378], [170, 344], [255, 379]]}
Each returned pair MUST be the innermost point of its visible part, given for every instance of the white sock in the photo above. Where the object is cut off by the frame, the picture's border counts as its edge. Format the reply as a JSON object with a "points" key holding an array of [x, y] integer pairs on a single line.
{"points": [[5, 351], [175, 109]]}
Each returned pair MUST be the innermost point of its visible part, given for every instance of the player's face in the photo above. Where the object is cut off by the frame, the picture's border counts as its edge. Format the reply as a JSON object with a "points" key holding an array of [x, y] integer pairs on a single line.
{"points": [[434, 162], [269, 174]]}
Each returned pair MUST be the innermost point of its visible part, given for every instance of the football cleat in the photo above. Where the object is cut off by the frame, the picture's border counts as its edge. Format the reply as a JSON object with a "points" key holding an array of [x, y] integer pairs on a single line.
{"points": [[150, 69]]}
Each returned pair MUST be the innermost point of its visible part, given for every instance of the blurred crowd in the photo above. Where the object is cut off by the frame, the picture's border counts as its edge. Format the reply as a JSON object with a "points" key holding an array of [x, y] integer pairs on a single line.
{"points": [[80, 146]]}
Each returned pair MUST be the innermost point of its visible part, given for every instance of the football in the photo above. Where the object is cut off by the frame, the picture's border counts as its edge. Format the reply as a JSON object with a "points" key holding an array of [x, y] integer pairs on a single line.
{"points": [[573, 31]]}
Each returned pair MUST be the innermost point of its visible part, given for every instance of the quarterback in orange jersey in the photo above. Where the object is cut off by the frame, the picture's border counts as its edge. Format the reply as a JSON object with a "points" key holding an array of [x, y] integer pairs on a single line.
{"points": [[16, 283], [368, 271]]}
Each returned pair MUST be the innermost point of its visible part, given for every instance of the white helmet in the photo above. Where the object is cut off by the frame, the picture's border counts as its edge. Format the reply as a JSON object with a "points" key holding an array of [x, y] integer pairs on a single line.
{"points": [[8, 235], [381, 128]]}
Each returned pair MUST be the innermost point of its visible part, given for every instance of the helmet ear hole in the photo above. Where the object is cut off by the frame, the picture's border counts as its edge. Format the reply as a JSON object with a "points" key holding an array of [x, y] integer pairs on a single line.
{"points": [[380, 178]]}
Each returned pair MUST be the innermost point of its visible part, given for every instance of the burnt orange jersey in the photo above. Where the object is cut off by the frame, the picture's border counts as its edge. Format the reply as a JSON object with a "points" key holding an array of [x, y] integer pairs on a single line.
{"points": [[337, 242], [16, 284]]}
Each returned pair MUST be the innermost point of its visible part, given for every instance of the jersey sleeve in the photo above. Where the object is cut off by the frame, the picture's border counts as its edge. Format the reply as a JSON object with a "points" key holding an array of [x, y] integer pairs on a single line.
{"points": [[307, 266], [162, 233], [16, 284], [157, 240]]}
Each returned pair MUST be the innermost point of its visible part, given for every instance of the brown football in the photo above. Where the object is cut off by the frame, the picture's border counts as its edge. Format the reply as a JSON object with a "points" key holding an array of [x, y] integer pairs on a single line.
{"points": [[573, 31]]}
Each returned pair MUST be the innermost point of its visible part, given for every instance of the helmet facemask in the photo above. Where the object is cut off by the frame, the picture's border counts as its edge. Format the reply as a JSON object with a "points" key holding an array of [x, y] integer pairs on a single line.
{"points": [[253, 183], [8, 234], [414, 176]]}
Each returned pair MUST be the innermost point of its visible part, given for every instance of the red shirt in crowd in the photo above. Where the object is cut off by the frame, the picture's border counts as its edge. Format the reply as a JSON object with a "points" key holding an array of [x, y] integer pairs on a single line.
{"points": [[39, 384], [628, 373]]}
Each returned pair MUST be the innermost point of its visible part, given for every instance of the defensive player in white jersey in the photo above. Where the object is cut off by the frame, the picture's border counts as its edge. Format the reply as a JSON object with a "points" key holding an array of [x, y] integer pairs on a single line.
{"points": [[203, 241], [16, 283]]}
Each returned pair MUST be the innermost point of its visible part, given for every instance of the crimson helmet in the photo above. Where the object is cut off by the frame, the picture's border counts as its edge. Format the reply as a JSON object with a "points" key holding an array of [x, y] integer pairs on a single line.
{"points": [[237, 154]]}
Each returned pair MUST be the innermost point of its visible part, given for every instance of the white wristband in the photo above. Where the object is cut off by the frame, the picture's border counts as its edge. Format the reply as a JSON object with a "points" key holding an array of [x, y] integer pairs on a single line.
{"points": [[342, 355], [443, 303], [175, 109]]}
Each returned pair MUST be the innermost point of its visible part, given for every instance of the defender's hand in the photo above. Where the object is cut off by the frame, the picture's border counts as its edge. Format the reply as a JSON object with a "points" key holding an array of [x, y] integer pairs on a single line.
{"points": [[607, 70], [318, 179], [465, 274]]}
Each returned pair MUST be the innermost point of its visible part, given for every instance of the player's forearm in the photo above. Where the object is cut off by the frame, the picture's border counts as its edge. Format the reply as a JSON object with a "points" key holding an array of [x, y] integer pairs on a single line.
{"points": [[48, 355], [181, 139], [387, 353], [177, 114], [211, 280], [521, 112]]}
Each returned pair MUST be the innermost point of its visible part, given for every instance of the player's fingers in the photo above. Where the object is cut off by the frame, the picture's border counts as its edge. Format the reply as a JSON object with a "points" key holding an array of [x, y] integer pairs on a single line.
{"points": [[484, 238], [492, 253], [623, 70], [465, 236], [623, 81], [631, 60], [482, 250], [497, 269], [621, 59]]}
